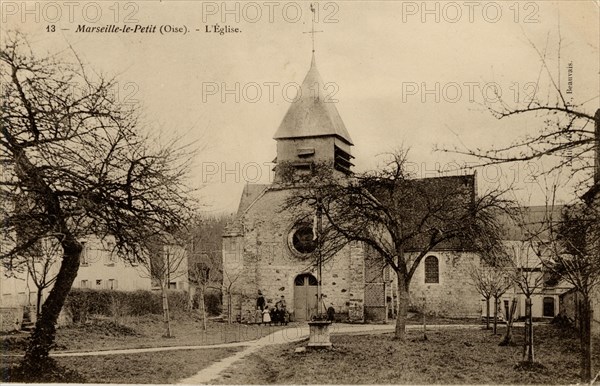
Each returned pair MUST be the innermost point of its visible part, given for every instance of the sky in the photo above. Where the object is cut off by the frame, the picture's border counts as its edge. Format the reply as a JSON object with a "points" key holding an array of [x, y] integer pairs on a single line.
{"points": [[412, 74]]}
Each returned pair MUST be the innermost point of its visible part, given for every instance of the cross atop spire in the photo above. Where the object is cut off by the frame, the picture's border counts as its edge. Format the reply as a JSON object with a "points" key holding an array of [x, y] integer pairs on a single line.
{"points": [[312, 31]]}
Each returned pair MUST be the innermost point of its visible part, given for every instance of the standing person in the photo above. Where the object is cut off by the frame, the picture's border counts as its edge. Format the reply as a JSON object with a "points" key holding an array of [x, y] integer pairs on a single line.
{"points": [[266, 315], [330, 313], [260, 306], [281, 303], [260, 301], [280, 308]]}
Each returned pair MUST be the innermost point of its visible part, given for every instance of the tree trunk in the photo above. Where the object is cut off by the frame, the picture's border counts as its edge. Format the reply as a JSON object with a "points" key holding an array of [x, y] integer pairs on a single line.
{"points": [[166, 317], [586, 339], [528, 352], [203, 307], [229, 308], [495, 315], [42, 339], [403, 300], [424, 328], [487, 313], [509, 323], [38, 305]]}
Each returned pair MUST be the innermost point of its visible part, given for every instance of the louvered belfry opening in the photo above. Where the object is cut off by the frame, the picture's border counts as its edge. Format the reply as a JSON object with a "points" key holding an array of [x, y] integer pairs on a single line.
{"points": [[342, 161]]}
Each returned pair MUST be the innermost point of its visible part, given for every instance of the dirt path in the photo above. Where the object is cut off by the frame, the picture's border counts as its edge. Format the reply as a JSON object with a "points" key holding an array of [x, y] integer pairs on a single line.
{"points": [[294, 334]]}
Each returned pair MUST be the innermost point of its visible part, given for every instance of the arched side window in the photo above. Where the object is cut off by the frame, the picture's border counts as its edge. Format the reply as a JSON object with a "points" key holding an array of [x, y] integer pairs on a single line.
{"points": [[432, 270]]}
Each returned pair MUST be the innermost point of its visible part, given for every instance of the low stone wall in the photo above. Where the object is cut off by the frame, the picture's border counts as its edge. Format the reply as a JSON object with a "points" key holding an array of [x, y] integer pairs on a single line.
{"points": [[11, 318]]}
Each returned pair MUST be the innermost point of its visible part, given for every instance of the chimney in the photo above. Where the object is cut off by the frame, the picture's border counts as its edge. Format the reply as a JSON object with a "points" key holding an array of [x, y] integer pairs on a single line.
{"points": [[597, 148]]}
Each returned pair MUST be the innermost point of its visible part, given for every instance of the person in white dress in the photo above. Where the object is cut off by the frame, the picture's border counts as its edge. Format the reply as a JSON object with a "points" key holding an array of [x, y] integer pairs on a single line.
{"points": [[266, 315]]}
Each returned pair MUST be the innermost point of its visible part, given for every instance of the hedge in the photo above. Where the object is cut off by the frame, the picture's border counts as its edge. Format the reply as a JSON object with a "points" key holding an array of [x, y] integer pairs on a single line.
{"points": [[82, 303], [212, 302]]}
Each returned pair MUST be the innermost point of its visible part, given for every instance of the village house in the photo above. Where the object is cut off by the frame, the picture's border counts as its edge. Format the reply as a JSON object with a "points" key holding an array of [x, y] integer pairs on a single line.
{"points": [[592, 199], [524, 242], [100, 269]]}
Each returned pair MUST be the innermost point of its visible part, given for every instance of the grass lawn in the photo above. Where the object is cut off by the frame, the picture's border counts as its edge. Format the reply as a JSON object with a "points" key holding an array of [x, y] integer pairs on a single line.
{"points": [[450, 356], [141, 332], [158, 367]]}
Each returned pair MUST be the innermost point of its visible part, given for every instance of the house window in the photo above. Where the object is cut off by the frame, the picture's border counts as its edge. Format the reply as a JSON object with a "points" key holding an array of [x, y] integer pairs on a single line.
{"points": [[84, 258], [549, 307], [109, 258], [172, 285], [112, 284], [98, 282], [432, 270], [85, 284]]}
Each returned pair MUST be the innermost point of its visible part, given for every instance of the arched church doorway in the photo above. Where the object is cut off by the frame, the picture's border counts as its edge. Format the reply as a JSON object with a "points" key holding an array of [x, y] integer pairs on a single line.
{"points": [[305, 296]]}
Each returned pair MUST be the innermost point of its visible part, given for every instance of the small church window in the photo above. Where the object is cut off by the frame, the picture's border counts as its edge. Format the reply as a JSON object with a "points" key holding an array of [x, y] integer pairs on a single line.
{"points": [[432, 270]]}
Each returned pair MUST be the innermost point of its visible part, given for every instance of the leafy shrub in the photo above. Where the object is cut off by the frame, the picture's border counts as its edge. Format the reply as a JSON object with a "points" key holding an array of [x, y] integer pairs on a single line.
{"points": [[178, 301], [143, 302], [212, 302], [13, 342]]}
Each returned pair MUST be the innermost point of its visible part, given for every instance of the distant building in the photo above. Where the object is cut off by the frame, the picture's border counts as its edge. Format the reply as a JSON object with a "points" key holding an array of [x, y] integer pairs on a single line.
{"points": [[592, 199], [100, 269], [173, 260]]}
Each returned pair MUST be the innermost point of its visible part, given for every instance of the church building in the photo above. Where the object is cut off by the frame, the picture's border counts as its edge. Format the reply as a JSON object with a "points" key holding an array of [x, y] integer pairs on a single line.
{"points": [[266, 249]]}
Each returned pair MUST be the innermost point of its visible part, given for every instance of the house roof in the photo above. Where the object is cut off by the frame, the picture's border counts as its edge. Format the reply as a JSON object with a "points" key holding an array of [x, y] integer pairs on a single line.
{"points": [[424, 204], [312, 114], [531, 220]]}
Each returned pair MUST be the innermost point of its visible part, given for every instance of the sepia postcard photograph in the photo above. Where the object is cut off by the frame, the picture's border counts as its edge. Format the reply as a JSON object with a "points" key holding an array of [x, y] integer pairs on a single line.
{"points": [[300, 192]]}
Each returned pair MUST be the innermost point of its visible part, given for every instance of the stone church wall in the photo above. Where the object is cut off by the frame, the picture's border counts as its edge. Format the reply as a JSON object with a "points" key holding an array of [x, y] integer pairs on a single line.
{"points": [[256, 256], [260, 259], [453, 296]]}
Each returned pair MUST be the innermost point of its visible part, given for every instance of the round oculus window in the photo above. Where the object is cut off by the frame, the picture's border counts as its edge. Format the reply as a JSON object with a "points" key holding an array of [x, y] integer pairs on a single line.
{"points": [[301, 240]]}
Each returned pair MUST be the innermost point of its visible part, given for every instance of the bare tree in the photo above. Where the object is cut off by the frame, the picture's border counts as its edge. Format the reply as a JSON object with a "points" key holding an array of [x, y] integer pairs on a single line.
{"points": [[500, 285], [41, 262], [566, 134], [575, 256], [166, 263], [205, 261], [525, 270], [490, 277], [229, 282], [76, 162], [205, 274], [399, 217], [482, 279], [570, 134]]}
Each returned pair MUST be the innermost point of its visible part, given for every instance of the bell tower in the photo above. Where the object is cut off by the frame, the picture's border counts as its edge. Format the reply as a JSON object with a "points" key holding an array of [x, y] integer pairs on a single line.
{"points": [[312, 131]]}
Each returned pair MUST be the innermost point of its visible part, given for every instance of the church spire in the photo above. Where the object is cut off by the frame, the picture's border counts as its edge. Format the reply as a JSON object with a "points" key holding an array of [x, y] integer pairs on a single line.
{"points": [[313, 112], [312, 31], [312, 130]]}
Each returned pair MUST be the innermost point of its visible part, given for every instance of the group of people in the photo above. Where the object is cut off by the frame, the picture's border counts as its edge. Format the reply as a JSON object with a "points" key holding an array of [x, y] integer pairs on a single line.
{"points": [[278, 314], [268, 314]]}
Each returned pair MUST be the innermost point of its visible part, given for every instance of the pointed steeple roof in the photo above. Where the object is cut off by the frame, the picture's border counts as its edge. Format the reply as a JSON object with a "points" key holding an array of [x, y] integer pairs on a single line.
{"points": [[312, 114]]}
